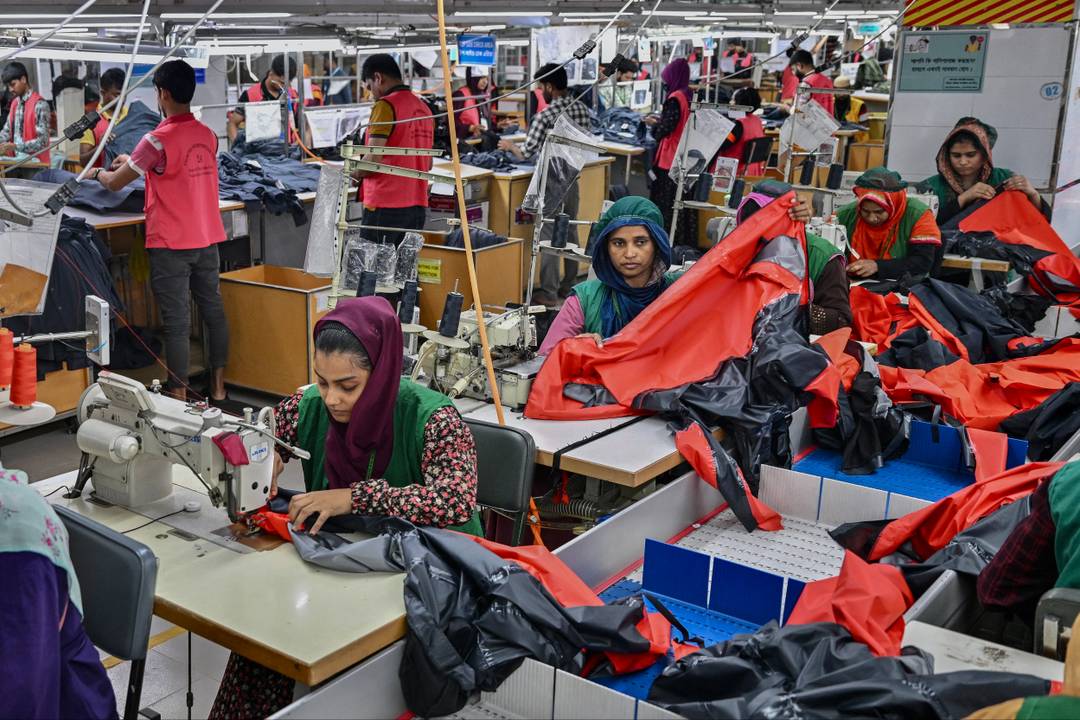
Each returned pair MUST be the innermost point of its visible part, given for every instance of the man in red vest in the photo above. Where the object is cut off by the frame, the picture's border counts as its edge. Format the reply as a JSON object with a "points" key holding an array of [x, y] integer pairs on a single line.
{"points": [[269, 88], [183, 224], [26, 128], [112, 80], [802, 65], [399, 118]]}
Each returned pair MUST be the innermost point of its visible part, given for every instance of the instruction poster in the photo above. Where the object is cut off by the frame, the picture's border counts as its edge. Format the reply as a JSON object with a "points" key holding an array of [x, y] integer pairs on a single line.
{"points": [[943, 61]]}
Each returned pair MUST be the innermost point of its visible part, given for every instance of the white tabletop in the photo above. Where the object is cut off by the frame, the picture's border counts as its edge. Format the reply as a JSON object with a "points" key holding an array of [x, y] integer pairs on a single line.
{"points": [[105, 221], [306, 622], [631, 455], [954, 651]]}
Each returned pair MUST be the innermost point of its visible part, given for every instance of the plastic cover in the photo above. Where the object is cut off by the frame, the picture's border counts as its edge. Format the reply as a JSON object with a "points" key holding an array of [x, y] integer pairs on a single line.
{"points": [[322, 233], [360, 255], [704, 134], [408, 253], [563, 167]]}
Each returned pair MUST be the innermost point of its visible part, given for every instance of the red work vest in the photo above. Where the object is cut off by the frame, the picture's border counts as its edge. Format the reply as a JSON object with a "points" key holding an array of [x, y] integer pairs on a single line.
{"points": [[541, 103], [380, 190], [29, 125], [752, 129], [789, 84], [469, 113], [99, 135], [182, 211], [255, 93], [665, 153]]}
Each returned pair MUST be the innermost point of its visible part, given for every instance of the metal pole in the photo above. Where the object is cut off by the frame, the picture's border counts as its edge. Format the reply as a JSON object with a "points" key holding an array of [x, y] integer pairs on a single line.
{"points": [[300, 98], [538, 221]]}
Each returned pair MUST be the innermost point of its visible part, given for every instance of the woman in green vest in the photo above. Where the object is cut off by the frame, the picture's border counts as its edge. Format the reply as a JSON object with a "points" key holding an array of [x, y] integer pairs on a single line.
{"points": [[830, 304], [379, 444], [966, 172], [631, 253], [889, 234]]}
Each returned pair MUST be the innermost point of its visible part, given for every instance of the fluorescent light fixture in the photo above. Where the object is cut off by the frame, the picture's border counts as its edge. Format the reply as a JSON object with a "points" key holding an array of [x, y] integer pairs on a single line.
{"points": [[226, 15], [487, 28], [269, 45], [80, 23], [796, 13], [605, 15], [4, 17], [584, 21], [78, 52], [502, 13]]}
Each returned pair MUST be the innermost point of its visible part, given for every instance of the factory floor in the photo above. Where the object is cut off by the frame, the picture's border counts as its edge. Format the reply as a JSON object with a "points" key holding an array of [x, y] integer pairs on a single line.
{"points": [[50, 450]]}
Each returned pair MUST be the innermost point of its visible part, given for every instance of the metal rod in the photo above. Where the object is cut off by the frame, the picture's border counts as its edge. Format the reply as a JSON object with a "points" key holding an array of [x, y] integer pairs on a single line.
{"points": [[51, 337]]}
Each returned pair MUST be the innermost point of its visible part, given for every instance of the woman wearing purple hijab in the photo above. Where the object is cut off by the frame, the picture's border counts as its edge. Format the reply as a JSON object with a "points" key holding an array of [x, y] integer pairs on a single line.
{"points": [[380, 445], [667, 129]]}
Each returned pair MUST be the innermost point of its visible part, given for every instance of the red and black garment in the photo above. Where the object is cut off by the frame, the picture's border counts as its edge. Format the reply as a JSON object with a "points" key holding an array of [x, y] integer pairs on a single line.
{"points": [[723, 346]]}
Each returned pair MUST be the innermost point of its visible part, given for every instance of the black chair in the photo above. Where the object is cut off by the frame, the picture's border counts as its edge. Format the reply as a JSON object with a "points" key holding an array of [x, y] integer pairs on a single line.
{"points": [[117, 576], [757, 150], [505, 458]]}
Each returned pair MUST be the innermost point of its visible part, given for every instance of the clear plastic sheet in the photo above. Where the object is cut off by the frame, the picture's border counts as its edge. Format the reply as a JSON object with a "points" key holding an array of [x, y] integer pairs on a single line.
{"points": [[359, 255], [385, 263], [564, 165], [705, 132], [408, 253]]}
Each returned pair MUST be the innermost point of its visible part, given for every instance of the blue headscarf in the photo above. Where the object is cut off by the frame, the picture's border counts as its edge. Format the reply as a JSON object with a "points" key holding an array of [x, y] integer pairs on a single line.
{"points": [[622, 303]]}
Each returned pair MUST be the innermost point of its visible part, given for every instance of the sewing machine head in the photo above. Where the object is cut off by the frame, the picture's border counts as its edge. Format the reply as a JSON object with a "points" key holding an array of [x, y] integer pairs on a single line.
{"points": [[132, 438]]}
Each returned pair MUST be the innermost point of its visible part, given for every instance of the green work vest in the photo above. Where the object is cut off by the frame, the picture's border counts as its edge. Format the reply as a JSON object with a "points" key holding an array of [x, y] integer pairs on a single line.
{"points": [[1064, 498], [946, 194], [1051, 707], [413, 408], [590, 295], [819, 251], [849, 214]]}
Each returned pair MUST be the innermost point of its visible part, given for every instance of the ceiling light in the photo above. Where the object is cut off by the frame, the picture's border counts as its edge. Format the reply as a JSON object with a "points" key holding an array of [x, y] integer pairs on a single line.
{"points": [[501, 13], [54, 16], [607, 14], [487, 28], [800, 13], [219, 16]]}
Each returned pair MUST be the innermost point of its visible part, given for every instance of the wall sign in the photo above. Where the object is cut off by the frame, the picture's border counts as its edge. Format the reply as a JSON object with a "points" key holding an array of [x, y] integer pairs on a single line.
{"points": [[476, 50], [943, 61]]}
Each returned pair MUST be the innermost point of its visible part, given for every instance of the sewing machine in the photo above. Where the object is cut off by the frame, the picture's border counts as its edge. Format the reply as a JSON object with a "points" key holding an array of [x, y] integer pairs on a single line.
{"points": [[455, 365], [832, 231], [131, 437]]}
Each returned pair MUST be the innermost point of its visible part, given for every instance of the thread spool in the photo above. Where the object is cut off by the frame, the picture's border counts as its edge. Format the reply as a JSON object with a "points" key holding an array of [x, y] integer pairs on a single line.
{"points": [[368, 280], [703, 187], [24, 376], [451, 314], [735, 197], [407, 305], [561, 230], [836, 176], [7, 357], [807, 175]]}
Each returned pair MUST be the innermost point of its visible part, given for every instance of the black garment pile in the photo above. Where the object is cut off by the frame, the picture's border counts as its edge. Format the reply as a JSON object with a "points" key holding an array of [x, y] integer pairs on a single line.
{"points": [[80, 268], [623, 125], [968, 552], [93, 195], [1048, 426], [273, 181], [480, 238], [985, 245], [819, 671], [472, 616], [497, 160]]}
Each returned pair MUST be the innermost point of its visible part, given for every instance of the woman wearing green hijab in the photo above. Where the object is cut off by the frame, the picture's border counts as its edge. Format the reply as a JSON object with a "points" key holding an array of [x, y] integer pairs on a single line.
{"points": [[631, 253]]}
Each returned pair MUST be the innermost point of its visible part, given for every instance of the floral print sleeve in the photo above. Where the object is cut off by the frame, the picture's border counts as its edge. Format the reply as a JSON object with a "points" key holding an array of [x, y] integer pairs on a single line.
{"points": [[287, 415], [447, 495]]}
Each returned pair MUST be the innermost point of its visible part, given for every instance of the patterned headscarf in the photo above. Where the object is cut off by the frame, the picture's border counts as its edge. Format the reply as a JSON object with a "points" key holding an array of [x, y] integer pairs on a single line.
{"points": [[978, 133]]}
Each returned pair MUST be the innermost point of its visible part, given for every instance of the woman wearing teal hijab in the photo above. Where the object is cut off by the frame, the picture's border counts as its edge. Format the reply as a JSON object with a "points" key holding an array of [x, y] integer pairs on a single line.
{"points": [[631, 253]]}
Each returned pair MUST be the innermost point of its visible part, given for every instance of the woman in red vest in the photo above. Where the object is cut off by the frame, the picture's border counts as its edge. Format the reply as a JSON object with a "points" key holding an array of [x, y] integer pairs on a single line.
{"points": [[26, 129], [668, 129], [747, 129], [470, 116]]}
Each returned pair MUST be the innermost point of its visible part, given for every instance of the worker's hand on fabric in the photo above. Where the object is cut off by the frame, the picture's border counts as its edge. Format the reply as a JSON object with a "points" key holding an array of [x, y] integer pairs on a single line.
{"points": [[651, 120], [279, 466], [862, 268], [599, 340], [800, 211], [7, 148], [1021, 183], [323, 504], [978, 191], [474, 129], [506, 145], [119, 162]]}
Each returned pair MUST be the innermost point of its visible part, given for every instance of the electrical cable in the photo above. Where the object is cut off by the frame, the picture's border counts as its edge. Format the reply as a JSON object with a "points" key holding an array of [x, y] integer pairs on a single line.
{"points": [[53, 492], [214, 494], [151, 522], [79, 11], [121, 97]]}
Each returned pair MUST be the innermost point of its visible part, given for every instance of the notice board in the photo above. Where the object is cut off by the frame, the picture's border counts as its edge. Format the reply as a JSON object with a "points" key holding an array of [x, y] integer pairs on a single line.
{"points": [[1015, 82]]}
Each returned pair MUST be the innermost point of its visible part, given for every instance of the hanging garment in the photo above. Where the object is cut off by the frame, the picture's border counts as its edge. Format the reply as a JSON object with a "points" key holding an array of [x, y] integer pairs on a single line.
{"points": [[128, 131], [819, 671], [476, 608], [739, 369], [94, 196]]}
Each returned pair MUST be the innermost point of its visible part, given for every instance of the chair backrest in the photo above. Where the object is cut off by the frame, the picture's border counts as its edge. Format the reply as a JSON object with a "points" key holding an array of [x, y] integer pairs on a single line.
{"points": [[758, 150], [505, 458], [117, 576]]}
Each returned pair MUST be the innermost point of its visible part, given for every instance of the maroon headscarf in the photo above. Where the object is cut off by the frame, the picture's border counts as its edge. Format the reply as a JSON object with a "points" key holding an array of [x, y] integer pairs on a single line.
{"points": [[349, 446], [676, 76]]}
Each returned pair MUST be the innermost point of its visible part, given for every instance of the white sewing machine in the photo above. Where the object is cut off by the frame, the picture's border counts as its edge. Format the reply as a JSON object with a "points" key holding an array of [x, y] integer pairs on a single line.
{"points": [[455, 365], [131, 437], [834, 232]]}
